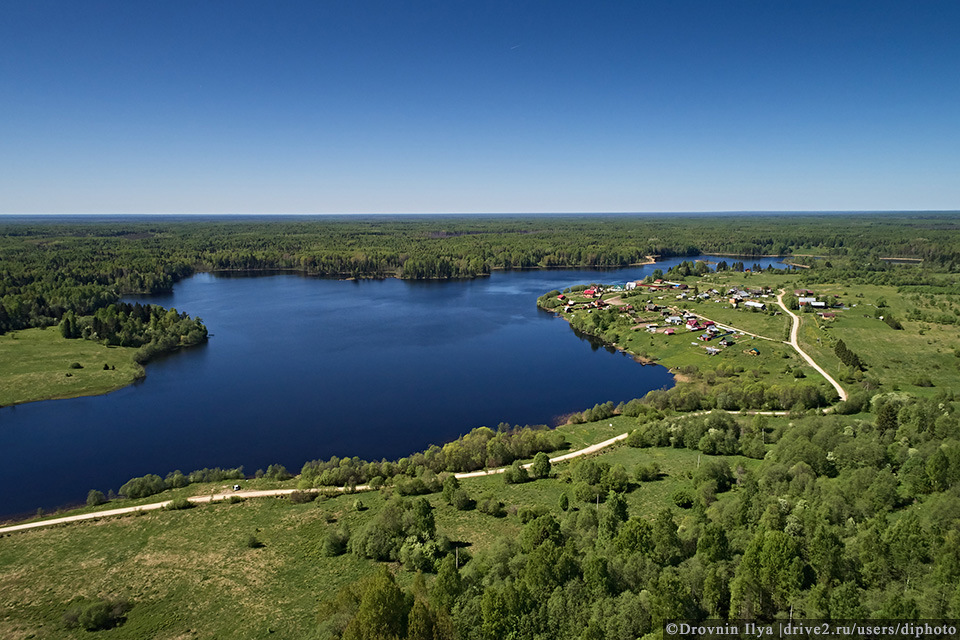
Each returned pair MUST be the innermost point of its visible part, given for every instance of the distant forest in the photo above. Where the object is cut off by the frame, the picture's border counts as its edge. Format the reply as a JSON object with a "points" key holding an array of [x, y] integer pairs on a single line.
{"points": [[50, 268]]}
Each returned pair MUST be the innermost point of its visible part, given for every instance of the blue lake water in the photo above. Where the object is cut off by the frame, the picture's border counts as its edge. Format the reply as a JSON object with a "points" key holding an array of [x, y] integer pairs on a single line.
{"points": [[300, 368]]}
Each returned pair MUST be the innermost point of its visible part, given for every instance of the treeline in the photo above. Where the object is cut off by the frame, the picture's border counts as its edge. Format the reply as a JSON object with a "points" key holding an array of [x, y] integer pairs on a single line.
{"points": [[152, 328], [48, 269], [482, 447], [843, 519], [736, 395], [847, 356], [151, 484]]}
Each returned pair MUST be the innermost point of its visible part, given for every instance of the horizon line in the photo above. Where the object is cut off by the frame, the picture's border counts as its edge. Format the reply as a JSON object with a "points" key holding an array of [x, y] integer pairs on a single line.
{"points": [[492, 213]]}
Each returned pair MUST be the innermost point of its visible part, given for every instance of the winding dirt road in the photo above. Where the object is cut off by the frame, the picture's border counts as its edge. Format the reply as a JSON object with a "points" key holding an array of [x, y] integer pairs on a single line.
{"points": [[794, 330], [268, 493]]}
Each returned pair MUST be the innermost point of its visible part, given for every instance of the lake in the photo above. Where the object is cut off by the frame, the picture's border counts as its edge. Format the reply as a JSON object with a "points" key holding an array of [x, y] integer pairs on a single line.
{"points": [[299, 368]]}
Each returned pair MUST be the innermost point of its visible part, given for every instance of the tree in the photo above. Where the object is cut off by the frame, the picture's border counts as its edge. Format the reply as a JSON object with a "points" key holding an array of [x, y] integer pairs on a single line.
{"points": [[495, 613], [382, 613], [516, 474], [541, 465], [826, 555], [667, 547], [596, 575], [713, 545], [768, 576], [672, 598], [448, 586], [450, 487], [95, 498], [142, 487], [421, 623]]}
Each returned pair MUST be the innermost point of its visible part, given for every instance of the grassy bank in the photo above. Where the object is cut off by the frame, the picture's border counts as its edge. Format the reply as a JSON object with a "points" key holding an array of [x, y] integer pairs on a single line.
{"points": [[921, 357], [191, 573], [35, 364]]}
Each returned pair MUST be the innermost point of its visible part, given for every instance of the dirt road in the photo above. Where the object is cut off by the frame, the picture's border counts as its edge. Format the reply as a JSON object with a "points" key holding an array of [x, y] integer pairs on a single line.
{"points": [[794, 330]]}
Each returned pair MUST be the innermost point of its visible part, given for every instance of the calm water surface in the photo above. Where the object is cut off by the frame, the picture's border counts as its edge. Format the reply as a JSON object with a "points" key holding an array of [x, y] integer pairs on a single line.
{"points": [[301, 368]]}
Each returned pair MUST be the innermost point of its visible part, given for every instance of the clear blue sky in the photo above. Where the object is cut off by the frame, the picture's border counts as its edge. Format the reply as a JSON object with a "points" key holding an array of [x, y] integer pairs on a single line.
{"points": [[343, 106]]}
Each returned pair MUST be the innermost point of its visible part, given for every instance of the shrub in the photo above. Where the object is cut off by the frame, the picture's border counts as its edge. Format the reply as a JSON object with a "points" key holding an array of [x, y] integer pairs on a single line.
{"points": [[253, 542], [526, 514], [682, 498], [492, 507], [176, 479], [302, 497], [335, 542], [179, 503], [541, 465], [647, 472], [215, 475], [76, 365], [893, 323], [142, 487], [94, 615], [516, 474], [95, 497], [277, 472], [462, 501]]}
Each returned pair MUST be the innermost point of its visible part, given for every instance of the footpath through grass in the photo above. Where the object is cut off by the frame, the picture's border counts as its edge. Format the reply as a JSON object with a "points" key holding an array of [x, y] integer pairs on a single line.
{"points": [[35, 364]]}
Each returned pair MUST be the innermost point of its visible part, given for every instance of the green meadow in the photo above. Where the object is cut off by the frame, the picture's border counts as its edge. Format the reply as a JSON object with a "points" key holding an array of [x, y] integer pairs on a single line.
{"points": [[35, 364], [190, 573]]}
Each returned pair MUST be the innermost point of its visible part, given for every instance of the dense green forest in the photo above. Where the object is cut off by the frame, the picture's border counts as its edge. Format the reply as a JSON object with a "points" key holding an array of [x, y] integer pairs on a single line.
{"points": [[846, 518], [49, 268]]}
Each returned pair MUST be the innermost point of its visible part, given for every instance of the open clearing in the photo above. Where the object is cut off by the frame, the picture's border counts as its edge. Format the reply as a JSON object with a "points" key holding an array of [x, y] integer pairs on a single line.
{"points": [[35, 365]]}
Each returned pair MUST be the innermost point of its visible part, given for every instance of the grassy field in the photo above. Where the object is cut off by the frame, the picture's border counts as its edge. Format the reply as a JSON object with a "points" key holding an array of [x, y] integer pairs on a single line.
{"points": [[897, 359], [190, 573], [35, 365], [922, 354], [683, 353]]}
